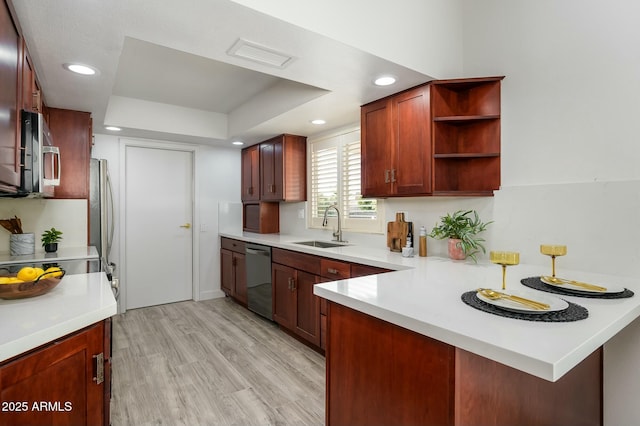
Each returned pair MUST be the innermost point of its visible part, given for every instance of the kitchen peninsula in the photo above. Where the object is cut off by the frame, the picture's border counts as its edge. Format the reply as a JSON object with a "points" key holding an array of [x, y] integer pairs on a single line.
{"points": [[55, 348], [484, 357]]}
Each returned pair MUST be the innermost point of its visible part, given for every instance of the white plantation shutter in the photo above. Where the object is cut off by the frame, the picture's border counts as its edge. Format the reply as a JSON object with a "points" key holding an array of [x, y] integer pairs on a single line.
{"points": [[335, 179], [324, 179]]}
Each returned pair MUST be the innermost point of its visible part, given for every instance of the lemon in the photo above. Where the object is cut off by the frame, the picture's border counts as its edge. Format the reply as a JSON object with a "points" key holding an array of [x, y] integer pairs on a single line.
{"points": [[54, 271], [39, 271], [5, 280], [28, 273]]}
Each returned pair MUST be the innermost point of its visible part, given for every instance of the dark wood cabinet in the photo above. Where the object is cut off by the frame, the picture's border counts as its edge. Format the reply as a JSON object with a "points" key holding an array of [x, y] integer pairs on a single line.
{"points": [[466, 136], [250, 174], [441, 138], [31, 93], [295, 307], [72, 133], [381, 374], [261, 217], [396, 149], [233, 275], [10, 94], [358, 270], [283, 168], [368, 382], [64, 382]]}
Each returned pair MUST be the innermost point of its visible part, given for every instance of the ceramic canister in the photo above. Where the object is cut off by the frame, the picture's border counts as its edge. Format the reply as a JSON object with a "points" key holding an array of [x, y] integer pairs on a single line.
{"points": [[21, 244]]}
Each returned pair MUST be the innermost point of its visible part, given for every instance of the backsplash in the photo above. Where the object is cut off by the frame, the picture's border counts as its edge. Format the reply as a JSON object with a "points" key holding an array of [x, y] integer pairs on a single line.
{"points": [[592, 219], [37, 215]]}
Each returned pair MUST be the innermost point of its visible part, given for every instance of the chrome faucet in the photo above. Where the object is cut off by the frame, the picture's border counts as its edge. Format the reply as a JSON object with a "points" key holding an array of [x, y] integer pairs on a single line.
{"points": [[336, 234]]}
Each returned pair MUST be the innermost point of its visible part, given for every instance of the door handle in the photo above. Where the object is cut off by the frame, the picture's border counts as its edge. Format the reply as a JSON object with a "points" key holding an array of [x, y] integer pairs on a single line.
{"points": [[186, 225]]}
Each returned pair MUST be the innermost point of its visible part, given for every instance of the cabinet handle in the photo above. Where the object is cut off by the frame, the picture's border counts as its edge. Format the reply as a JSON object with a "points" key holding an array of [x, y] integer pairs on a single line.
{"points": [[99, 368], [393, 175], [35, 100], [386, 176], [292, 283], [250, 190], [332, 271]]}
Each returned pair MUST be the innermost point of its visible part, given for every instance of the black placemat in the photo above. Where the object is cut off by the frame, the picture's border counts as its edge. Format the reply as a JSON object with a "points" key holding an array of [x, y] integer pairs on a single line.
{"points": [[537, 284], [574, 312]]}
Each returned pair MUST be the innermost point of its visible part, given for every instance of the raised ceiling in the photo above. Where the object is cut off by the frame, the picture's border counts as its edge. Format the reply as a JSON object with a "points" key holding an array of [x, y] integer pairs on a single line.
{"points": [[165, 71]]}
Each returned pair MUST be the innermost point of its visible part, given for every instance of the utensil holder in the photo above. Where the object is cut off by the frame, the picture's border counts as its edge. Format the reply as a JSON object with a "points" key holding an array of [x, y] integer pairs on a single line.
{"points": [[21, 244]]}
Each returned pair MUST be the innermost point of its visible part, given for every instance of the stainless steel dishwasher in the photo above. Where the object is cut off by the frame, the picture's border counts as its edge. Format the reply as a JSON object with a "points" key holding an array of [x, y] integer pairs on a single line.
{"points": [[258, 264]]}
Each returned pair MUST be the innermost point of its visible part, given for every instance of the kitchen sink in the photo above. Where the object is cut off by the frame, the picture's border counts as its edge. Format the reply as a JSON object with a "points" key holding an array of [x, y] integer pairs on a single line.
{"points": [[321, 244]]}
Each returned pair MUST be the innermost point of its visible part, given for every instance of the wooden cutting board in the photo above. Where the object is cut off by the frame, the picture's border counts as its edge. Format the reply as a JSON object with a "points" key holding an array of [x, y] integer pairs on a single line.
{"points": [[397, 233]]}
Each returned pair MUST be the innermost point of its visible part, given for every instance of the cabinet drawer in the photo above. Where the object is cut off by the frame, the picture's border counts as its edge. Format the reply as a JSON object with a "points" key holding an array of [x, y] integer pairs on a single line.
{"points": [[233, 245], [301, 261], [358, 270], [334, 269]]}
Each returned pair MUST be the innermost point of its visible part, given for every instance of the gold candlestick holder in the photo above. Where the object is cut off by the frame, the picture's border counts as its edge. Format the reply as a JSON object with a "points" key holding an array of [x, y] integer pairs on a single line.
{"points": [[553, 251], [504, 258]]}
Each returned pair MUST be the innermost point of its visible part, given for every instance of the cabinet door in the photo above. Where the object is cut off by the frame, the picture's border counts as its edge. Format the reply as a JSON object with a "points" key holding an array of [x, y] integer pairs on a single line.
{"points": [[240, 277], [307, 307], [57, 384], [411, 173], [284, 295], [376, 122], [251, 174], [271, 170], [226, 271], [71, 132], [9, 102]]}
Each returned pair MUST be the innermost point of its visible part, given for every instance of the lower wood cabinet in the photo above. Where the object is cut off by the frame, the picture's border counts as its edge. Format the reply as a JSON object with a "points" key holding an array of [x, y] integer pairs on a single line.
{"points": [[66, 382], [382, 374], [233, 275], [295, 307]]}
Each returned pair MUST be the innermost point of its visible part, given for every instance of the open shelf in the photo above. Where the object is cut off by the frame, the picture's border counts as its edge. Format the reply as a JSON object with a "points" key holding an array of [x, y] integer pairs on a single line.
{"points": [[477, 175]]}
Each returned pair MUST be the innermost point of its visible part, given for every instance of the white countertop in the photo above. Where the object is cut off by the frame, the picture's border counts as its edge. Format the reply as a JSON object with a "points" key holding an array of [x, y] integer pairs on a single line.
{"points": [[77, 302], [425, 297], [63, 253]]}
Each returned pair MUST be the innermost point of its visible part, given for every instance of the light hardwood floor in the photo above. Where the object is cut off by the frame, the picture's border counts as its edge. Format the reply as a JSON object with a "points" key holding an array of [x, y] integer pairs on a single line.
{"points": [[211, 363]]}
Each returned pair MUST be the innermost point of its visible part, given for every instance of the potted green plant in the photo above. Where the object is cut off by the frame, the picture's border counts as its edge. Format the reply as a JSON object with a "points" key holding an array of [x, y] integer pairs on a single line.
{"points": [[462, 229], [50, 239]]}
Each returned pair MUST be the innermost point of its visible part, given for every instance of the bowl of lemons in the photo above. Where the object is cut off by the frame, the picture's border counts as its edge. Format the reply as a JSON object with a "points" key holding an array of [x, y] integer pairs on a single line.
{"points": [[30, 282]]}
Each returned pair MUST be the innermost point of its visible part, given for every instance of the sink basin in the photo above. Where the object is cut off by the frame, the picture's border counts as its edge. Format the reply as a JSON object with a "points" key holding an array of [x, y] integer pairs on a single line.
{"points": [[321, 244]]}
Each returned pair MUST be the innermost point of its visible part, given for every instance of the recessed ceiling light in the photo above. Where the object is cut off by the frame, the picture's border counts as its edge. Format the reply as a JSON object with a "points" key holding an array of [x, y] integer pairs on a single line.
{"points": [[237, 143], [113, 128], [385, 80], [80, 69], [318, 121]]}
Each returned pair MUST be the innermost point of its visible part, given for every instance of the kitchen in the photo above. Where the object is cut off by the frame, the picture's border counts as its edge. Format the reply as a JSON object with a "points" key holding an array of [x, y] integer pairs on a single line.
{"points": [[563, 144]]}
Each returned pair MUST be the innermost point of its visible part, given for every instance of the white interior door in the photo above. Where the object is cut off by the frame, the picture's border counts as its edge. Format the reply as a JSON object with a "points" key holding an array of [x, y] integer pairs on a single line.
{"points": [[158, 232]]}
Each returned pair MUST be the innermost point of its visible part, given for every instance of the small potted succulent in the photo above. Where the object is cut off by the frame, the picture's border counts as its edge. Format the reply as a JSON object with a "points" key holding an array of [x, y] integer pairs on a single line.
{"points": [[50, 239], [462, 229]]}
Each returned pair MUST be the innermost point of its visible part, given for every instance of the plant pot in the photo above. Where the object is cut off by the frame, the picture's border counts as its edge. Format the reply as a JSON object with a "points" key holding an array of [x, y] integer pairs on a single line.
{"points": [[455, 249], [51, 247], [22, 244]]}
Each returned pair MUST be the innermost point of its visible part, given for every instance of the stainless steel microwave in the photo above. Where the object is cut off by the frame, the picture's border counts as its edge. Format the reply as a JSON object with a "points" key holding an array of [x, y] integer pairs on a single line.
{"points": [[40, 166]]}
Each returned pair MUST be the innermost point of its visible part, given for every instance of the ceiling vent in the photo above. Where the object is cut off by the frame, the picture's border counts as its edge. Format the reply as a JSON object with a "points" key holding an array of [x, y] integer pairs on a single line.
{"points": [[254, 52]]}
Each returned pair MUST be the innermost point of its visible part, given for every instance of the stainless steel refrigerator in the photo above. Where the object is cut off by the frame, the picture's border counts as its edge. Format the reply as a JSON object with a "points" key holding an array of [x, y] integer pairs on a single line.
{"points": [[101, 216]]}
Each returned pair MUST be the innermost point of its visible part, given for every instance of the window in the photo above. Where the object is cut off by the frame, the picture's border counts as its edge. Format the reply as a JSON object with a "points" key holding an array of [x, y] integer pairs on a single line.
{"points": [[335, 179]]}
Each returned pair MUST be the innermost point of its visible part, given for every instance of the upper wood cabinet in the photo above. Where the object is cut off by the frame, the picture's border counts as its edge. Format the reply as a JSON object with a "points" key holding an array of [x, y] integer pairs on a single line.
{"points": [[396, 149], [251, 173], [71, 132], [10, 93], [283, 168], [441, 138], [31, 93], [466, 136]]}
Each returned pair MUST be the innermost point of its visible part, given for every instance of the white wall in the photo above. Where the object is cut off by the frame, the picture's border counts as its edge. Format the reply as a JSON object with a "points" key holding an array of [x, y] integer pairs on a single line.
{"points": [[570, 149], [37, 215], [218, 180]]}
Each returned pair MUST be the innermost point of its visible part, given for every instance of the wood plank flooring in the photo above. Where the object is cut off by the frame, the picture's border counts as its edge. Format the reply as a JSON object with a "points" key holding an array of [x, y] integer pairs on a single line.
{"points": [[211, 363]]}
